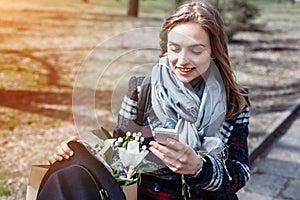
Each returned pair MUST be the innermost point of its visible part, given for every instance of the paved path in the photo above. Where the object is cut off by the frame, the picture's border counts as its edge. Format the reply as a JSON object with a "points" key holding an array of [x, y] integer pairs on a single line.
{"points": [[277, 174]]}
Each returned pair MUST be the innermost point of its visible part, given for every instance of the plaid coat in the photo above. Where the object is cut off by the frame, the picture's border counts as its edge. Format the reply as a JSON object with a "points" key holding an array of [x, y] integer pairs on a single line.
{"points": [[213, 182]]}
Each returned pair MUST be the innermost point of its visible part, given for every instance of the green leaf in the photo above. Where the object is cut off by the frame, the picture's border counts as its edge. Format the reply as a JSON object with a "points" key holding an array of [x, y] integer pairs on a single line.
{"points": [[102, 133], [106, 132], [126, 181], [107, 152]]}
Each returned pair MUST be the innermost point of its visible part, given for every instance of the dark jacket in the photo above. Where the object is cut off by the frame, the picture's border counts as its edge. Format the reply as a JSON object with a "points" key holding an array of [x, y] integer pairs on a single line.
{"points": [[213, 182]]}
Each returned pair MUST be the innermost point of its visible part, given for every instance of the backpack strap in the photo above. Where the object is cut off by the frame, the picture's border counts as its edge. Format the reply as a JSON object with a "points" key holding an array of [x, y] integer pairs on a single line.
{"points": [[102, 192], [144, 101], [133, 111]]}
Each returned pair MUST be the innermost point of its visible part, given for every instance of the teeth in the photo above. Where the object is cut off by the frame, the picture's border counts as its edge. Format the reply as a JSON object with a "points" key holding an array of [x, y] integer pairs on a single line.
{"points": [[185, 69]]}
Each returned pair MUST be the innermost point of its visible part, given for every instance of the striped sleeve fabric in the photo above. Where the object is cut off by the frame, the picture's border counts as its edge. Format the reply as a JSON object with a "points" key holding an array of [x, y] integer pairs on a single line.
{"points": [[214, 176], [128, 111]]}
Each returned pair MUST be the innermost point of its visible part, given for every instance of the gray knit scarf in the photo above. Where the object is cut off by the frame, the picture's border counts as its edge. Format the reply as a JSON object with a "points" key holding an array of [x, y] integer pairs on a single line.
{"points": [[176, 105]]}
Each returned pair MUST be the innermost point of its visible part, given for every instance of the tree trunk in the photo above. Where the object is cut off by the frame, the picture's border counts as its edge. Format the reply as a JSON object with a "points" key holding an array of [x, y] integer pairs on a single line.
{"points": [[133, 8]]}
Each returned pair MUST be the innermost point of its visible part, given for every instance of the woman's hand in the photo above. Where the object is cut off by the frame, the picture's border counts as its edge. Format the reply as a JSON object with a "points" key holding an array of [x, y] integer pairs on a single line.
{"points": [[63, 151], [178, 156]]}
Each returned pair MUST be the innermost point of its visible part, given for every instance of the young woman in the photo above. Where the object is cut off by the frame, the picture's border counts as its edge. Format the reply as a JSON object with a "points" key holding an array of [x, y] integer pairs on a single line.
{"points": [[192, 90]]}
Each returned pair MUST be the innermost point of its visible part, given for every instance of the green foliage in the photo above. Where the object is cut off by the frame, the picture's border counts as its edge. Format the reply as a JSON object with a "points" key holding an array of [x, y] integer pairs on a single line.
{"points": [[156, 7], [238, 15], [102, 133], [269, 6], [109, 151], [4, 189]]}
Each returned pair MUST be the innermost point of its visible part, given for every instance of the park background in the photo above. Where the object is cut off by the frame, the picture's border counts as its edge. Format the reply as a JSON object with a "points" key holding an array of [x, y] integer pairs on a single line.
{"points": [[43, 44]]}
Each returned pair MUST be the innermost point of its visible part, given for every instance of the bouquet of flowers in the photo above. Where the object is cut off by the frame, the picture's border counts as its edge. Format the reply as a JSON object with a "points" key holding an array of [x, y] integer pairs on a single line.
{"points": [[123, 156]]}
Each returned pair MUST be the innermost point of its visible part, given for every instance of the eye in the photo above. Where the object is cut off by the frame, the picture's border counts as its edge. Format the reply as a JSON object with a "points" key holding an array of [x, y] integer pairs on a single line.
{"points": [[197, 51], [174, 48]]}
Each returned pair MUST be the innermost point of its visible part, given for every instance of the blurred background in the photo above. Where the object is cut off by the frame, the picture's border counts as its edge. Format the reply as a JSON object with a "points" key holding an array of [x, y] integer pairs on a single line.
{"points": [[44, 43]]}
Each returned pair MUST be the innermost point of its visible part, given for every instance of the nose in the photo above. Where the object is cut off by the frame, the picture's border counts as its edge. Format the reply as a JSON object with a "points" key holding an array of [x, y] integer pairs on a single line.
{"points": [[182, 59]]}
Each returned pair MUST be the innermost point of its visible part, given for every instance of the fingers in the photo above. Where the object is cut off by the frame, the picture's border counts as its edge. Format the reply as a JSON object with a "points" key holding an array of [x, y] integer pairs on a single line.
{"points": [[182, 160], [63, 151], [171, 161], [174, 148], [169, 154], [57, 157]]}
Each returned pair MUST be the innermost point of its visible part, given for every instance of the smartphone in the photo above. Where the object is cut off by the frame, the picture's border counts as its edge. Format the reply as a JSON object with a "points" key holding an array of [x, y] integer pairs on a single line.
{"points": [[161, 135]]}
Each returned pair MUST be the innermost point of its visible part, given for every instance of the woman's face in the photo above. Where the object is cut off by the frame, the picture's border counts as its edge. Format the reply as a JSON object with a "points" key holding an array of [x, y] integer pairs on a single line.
{"points": [[189, 52]]}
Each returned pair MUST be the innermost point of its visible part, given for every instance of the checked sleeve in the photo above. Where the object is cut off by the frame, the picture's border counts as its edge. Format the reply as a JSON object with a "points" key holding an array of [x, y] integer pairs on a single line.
{"points": [[214, 176], [129, 117]]}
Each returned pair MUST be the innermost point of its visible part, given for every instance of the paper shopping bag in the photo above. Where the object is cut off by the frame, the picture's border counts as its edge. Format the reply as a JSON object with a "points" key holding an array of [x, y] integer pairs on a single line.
{"points": [[130, 191], [36, 175]]}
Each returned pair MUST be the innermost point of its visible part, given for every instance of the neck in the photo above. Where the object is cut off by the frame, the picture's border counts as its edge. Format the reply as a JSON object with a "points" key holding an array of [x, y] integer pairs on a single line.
{"points": [[195, 81]]}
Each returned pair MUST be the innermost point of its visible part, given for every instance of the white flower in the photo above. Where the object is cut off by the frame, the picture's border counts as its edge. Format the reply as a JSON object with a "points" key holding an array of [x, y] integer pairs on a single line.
{"points": [[144, 147], [120, 139], [137, 138], [142, 139], [128, 134], [132, 156]]}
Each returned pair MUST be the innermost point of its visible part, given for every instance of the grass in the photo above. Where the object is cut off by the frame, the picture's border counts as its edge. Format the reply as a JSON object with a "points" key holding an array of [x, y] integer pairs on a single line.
{"points": [[49, 45], [157, 7], [4, 189]]}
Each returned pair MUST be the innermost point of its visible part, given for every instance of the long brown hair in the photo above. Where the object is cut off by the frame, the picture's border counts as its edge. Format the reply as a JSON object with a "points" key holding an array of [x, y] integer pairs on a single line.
{"points": [[209, 18]]}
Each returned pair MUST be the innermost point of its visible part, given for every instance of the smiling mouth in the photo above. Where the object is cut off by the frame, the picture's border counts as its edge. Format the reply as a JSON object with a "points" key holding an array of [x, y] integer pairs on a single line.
{"points": [[185, 69]]}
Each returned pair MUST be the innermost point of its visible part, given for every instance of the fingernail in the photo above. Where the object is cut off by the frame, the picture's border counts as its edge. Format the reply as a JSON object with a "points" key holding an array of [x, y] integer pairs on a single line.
{"points": [[170, 141], [67, 157], [71, 153]]}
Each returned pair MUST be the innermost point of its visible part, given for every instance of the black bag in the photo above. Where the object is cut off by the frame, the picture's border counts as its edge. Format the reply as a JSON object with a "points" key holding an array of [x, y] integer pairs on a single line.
{"points": [[82, 177]]}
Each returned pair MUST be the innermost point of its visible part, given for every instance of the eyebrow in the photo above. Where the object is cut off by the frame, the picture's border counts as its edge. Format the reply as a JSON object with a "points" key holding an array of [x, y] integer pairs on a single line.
{"points": [[194, 45]]}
